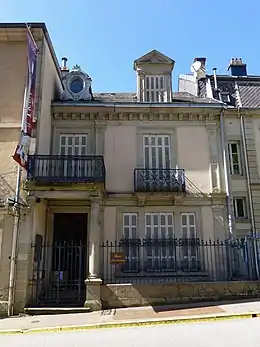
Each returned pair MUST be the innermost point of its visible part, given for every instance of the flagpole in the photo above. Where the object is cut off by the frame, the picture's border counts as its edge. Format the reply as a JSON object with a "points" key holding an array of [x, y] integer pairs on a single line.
{"points": [[17, 201]]}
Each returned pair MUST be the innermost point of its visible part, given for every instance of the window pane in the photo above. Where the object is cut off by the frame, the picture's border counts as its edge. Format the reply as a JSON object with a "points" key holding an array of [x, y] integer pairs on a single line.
{"points": [[70, 140], [183, 219], [159, 140], [157, 83], [146, 141], [147, 96], [155, 219], [240, 208], [84, 140], [191, 219], [170, 221], [153, 140], [152, 83], [166, 141], [126, 219], [152, 96], [134, 220], [63, 141], [163, 219], [161, 83], [76, 140], [148, 219], [147, 83]]}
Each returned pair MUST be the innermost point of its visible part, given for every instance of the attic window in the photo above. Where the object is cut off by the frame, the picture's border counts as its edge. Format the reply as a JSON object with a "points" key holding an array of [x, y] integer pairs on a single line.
{"points": [[155, 88], [225, 97]]}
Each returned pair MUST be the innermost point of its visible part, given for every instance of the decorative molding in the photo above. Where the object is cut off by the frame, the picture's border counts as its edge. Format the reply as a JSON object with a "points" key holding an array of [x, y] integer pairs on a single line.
{"points": [[84, 94], [137, 116]]}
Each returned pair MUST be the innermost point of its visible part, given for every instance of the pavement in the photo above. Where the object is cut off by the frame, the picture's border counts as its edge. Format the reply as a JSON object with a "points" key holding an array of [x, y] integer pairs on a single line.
{"points": [[227, 333], [127, 317]]}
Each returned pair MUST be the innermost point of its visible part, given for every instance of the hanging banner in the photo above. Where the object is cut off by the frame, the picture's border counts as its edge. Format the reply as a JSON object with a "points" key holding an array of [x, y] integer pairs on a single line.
{"points": [[22, 149]]}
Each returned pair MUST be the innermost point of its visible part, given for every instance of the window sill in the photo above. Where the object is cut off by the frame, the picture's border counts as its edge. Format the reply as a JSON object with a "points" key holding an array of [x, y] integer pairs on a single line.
{"points": [[238, 177], [242, 220]]}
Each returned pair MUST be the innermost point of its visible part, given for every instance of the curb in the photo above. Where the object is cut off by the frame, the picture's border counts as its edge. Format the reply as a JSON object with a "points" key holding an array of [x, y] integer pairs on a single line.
{"points": [[125, 324]]}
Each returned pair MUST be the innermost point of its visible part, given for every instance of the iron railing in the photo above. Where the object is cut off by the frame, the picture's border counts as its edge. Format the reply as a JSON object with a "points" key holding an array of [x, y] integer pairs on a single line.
{"points": [[174, 260], [58, 274], [65, 168], [159, 180]]}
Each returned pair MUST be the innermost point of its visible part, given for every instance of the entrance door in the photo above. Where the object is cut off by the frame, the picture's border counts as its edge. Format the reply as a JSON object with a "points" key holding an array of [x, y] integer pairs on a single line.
{"points": [[73, 147], [65, 265]]}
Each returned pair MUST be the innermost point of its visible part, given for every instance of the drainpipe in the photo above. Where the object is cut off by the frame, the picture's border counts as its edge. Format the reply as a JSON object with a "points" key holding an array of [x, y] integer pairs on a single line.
{"points": [[250, 198], [225, 162], [226, 175]]}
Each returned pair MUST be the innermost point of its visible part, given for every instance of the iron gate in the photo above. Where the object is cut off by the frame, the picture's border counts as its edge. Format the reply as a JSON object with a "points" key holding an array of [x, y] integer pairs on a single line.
{"points": [[59, 273]]}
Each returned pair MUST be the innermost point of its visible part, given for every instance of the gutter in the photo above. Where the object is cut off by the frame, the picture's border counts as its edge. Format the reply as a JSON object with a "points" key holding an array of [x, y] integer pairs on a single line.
{"points": [[139, 105], [226, 175]]}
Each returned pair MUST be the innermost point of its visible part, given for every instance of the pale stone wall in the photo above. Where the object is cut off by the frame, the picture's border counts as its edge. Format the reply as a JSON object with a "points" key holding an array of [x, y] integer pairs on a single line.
{"points": [[127, 295]]}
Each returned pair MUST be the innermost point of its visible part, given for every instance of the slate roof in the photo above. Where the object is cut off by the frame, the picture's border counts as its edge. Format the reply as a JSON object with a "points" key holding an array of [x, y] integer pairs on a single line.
{"points": [[178, 97], [249, 89]]}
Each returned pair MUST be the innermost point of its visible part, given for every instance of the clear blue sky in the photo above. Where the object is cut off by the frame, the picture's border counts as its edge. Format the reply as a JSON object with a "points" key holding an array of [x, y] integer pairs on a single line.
{"points": [[105, 37]]}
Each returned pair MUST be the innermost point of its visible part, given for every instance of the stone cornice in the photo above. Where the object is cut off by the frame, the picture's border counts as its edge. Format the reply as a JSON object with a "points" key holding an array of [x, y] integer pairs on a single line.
{"points": [[136, 116]]}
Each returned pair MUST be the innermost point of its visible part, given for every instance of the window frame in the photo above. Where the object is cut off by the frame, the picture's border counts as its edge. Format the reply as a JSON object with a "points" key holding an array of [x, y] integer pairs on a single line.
{"points": [[161, 90], [150, 147], [230, 158], [244, 205], [226, 94]]}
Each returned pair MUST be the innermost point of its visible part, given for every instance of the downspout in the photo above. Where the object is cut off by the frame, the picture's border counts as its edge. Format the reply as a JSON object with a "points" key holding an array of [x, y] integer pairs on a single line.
{"points": [[226, 175], [225, 162], [250, 198]]}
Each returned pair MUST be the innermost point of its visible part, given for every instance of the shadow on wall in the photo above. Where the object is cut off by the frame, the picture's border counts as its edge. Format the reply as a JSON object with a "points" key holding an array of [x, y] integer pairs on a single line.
{"points": [[193, 294]]}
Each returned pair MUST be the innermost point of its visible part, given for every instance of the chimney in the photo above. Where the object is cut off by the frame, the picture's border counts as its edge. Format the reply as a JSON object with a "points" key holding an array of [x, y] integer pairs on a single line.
{"points": [[237, 67], [64, 68], [201, 73]]}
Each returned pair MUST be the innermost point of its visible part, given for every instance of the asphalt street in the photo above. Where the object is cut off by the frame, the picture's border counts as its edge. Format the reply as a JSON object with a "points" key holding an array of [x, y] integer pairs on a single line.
{"points": [[237, 333]]}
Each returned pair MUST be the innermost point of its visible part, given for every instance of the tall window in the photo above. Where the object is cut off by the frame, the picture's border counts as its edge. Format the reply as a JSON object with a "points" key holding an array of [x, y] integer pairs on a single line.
{"points": [[239, 207], [160, 254], [234, 158], [130, 226], [189, 247], [156, 151], [130, 244], [73, 146], [155, 88]]}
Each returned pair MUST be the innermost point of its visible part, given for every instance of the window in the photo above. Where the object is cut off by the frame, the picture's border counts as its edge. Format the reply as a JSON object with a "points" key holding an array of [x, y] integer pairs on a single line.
{"points": [[71, 144], [159, 225], [72, 147], [225, 97], [188, 225], [160, 254], [189, 261], [130, 226], [155, 88], [234, 158], [156, 151], [130, 245], [239, 207]]}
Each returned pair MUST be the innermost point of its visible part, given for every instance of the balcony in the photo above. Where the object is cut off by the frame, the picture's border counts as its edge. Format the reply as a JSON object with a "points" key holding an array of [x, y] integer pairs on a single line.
{"points": [[159, 180], [46, 169]]}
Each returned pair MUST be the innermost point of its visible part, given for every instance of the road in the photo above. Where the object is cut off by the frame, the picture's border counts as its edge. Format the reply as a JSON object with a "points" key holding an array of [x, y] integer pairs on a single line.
{"points": [[237, 333]]}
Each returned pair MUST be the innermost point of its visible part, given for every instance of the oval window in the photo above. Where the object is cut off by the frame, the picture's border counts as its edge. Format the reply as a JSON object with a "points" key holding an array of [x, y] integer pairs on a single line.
{"points": [[76, 85]]}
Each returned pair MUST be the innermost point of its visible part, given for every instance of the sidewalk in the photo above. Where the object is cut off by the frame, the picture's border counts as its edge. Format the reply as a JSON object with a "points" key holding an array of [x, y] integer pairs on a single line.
{"points": [[131, 316]]}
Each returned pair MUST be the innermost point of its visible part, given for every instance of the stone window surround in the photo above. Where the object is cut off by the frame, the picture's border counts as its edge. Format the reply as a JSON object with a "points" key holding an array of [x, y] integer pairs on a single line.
{"points": [[148, 130], [159, 209], [237, 139], [78, 128], [241, 195]]}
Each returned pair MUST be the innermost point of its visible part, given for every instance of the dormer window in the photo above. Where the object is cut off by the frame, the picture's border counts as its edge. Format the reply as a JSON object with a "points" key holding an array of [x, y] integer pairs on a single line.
{"points": [[155, 88], [225, 97], [154, 77]]}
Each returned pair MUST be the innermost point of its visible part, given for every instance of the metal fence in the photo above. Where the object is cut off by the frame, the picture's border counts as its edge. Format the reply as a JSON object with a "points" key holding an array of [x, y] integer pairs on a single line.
{"points": [[59, 271], [176, 260]]}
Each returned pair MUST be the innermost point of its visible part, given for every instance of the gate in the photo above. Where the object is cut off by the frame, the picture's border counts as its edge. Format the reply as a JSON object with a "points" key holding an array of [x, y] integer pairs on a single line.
{"points": [[58, 275]]}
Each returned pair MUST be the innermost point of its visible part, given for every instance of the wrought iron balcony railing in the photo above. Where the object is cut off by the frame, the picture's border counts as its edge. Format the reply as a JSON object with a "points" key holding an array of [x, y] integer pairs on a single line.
{"points": [[159, 180], [65, 168]]}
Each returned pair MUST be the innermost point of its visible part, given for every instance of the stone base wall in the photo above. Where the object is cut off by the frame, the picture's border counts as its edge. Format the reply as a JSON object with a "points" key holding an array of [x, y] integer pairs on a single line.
{"points": [[127, 295], [3, 302]]}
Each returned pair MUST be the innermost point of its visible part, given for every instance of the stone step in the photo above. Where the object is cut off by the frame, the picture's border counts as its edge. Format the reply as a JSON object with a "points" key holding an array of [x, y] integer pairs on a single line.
{"points": [[34, 311]]}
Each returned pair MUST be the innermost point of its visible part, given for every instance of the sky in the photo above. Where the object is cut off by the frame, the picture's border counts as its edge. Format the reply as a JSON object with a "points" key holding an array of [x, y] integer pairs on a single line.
{"points": [[105, 37]]}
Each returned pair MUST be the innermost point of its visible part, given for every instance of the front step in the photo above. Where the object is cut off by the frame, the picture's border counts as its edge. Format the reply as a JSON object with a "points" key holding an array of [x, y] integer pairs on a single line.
{"points": [[34, 311]]}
